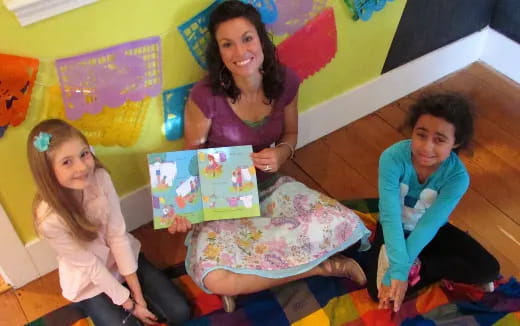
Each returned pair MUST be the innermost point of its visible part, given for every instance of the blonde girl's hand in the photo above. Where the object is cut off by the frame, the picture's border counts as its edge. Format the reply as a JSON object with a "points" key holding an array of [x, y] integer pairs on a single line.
{"points": [[180, 224], [144, 315], [270, 159]]}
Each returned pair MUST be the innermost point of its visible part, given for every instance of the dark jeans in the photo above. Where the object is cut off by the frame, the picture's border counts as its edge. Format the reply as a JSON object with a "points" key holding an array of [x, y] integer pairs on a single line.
{"points": [[452, 255], [163, 299]]}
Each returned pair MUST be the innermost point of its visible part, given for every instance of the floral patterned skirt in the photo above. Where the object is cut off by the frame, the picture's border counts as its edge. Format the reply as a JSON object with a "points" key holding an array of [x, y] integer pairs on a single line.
{"points": [[299, 228]]}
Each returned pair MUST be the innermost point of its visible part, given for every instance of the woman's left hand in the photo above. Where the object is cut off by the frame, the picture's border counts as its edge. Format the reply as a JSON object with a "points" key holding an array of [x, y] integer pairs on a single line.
{"points": [[269, 159]]}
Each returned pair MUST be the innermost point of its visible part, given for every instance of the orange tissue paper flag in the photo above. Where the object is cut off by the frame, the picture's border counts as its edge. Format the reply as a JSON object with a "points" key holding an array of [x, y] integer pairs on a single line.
{"points": [[17, 76]]}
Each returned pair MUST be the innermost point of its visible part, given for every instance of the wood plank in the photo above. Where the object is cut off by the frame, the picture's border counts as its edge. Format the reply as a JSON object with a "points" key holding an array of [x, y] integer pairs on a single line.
{"points": [[4, 287], [501, 84], [41, 296], [332, 173], [491, 103], [290, 168], [10, 310], [489, 226], [160, 247], [361, 143], [494, 179]]}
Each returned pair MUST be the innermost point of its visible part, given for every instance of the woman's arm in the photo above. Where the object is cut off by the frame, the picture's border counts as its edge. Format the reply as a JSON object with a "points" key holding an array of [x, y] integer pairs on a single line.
{"points": [[196, 126]]}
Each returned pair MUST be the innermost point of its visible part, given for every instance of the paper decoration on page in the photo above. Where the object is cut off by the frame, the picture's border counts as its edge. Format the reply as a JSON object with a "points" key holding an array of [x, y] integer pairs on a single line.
{"points": [[174, 101], [363, 9], [312, 47], [196, 34], [110, 77], [111, 127], [17, 76], [294, 14]]}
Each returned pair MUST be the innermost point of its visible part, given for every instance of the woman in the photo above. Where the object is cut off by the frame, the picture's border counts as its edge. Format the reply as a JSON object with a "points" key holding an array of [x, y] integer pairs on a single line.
{"points": [[250, 98]]}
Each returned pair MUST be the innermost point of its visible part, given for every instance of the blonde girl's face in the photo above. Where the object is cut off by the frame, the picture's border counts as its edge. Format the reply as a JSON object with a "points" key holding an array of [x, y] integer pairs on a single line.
{"points": [[240, 47], [73, 164], [433, 139]]}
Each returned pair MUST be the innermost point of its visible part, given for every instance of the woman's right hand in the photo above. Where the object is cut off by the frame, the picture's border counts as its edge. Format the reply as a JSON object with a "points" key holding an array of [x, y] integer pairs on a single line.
{"points": [[180, 224], [144, 315]]}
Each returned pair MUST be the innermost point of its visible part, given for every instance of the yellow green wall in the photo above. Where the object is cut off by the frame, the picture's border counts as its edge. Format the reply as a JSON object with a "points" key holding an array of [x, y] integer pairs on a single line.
{"points": [[362, 50]]}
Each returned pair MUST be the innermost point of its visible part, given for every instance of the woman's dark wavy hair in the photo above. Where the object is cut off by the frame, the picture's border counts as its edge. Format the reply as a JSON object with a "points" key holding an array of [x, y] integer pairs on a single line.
{"points": [[273, 76], [451, 107]]}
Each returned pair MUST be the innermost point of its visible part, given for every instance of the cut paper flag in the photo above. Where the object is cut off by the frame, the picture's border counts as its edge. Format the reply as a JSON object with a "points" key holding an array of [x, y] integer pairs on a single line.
{"points": [[195, 30], [111, 127], [17, 76], [267, 9], [293, 14], [196, 34], [312, 47], [174, 101], [110, 77], [363, 9]]}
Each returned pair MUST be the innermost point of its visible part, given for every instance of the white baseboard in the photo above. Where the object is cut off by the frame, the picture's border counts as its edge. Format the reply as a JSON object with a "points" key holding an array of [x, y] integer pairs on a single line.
{"points": [[367, 98], [17, 268], [503, 54]]}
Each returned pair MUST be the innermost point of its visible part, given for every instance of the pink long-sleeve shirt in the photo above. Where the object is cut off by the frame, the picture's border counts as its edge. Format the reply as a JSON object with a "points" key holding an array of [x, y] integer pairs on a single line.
{"points": [[88, 269]]}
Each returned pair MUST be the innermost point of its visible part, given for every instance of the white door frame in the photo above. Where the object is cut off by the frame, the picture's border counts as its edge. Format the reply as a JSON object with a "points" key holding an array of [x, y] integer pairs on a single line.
{"points": [[16, 265]]}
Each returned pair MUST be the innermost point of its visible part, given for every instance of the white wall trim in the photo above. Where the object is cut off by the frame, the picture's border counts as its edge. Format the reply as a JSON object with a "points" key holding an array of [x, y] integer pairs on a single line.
{"points": [[17, 267], [503, 54], [369, 97], [31, 11]]}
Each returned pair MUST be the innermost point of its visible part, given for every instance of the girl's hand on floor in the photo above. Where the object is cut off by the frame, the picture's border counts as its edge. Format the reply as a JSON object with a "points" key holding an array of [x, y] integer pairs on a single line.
{"points": [[398, 292], [384, 297], [144, 315], [180, 224]]}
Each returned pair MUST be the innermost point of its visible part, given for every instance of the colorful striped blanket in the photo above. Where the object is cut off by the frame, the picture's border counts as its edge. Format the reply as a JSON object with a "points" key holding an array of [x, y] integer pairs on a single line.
{"points": [[335, 301]]}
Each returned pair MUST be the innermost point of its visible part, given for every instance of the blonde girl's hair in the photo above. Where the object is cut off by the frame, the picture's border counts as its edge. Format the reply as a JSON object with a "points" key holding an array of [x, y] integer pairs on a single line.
{"points": [[61, 200]]}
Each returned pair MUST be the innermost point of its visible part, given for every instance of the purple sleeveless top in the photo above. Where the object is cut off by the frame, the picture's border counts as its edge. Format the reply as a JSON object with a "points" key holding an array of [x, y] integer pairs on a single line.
{"points": [[227, 129]]}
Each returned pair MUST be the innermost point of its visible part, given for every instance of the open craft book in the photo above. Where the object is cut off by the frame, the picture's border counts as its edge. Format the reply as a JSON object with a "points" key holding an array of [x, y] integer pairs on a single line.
{"points": [[203, 185]]}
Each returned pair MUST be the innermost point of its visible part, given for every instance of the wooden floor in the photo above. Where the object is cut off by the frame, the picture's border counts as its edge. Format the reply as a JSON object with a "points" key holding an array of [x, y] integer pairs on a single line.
{"points": [[343, 164]]}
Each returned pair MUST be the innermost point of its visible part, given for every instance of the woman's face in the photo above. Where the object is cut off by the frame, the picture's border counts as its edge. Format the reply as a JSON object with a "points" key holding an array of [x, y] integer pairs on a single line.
{"points": [[240, 47]]}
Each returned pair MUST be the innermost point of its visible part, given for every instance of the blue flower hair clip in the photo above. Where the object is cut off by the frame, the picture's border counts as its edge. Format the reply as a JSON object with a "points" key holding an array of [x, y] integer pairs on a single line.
{"points": [[41, 142]]}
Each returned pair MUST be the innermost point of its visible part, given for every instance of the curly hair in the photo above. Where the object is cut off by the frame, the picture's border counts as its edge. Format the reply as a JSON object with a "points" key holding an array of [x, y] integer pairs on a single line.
{"points": [[220, 78], [452, 107]]}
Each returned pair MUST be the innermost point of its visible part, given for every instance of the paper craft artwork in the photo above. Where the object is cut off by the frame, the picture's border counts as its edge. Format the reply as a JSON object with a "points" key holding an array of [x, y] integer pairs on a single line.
{"points": [[111, 127], [312, 47], [293, 14], [363, 9], [174, 101], [17, 76], [267, 9], [196, 34], [110, 77], [203, 185]]}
